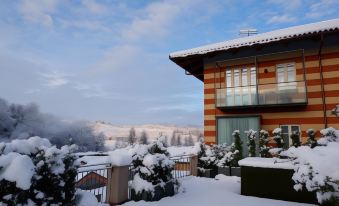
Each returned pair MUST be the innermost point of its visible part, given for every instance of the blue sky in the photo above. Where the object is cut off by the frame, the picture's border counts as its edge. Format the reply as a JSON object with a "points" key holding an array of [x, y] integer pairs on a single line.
{"points": [[108, 59]]}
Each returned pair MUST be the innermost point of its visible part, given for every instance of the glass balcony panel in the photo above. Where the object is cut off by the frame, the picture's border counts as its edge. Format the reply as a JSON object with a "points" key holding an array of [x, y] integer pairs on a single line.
{"points": [[268, 94]]}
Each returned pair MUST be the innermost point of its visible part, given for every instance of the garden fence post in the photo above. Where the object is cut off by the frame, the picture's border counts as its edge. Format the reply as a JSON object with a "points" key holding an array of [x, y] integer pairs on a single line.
{"points": [[117, 185], [194, 165]]}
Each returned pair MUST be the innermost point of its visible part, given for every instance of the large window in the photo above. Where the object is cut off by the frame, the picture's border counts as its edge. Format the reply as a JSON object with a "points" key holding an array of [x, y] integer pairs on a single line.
{"points": [[227, 125], [286, 131], [241, 86]]}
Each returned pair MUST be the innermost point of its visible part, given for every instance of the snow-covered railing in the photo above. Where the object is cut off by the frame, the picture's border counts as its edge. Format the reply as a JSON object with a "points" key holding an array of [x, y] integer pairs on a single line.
{"points": [[93, 178], [183, 166]]}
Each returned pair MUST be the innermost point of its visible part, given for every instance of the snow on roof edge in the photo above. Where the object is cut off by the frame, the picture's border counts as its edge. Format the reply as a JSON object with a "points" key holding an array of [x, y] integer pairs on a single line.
{"points": [[267, 37]]}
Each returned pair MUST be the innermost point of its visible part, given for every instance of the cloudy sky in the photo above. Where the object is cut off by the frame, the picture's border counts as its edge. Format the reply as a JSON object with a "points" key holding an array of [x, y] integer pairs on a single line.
{"points": [[108, 59]]}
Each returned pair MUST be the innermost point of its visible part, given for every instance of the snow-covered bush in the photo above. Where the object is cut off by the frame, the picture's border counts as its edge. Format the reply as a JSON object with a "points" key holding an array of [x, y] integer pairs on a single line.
{"points": [[278, 138], [220, 151], [311, 141], [152, 166], [317, 170], [33, 171], [295, 137], [236, 149], [263, 144], [206, 157], [328, 135], [251, 142]]}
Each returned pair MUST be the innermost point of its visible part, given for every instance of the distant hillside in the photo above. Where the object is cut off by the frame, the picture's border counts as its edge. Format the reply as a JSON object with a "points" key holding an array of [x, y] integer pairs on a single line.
{"points": [[115, 132]]}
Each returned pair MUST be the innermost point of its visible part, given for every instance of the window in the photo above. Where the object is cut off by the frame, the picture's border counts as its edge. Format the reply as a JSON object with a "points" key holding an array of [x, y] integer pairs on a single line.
{"points": [[227, 125], [286, 72], [286, 131], [240, 84]]}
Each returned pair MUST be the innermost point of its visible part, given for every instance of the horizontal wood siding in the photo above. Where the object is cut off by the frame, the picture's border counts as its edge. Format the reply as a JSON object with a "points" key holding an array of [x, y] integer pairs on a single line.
{"points": [[310, 116]]}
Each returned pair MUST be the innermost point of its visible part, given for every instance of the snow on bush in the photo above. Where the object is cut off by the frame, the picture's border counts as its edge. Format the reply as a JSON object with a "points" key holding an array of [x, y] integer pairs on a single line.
{"points": [[278, 138], [311, 140], [251, 142], [33, 171], [206, 157], [151, 166], [263, 144], [317, 169], [328, 135], [236, 149]]}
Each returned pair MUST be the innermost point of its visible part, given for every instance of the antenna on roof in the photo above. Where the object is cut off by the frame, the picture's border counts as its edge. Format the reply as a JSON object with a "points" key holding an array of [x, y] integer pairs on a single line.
{"points": [[248, 32]]}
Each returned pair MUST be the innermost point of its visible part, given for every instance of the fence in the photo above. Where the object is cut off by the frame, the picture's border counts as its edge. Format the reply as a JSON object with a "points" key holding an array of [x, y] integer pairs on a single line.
{"points": [[183, 166], [110, 184], [93, 178]]}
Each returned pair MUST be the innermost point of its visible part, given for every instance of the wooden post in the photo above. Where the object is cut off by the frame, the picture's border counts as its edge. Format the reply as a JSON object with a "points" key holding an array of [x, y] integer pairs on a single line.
{"points": [[194, 165], [117, 185]]}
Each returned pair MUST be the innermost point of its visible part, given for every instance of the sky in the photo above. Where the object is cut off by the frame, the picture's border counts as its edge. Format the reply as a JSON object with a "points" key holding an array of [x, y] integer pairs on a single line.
{"points": [[108, 60]]}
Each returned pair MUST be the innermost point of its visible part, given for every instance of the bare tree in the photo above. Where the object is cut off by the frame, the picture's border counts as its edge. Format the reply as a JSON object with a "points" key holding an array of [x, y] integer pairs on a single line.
{"points": [[179, 143], [143, 138], [132, 138], [190, 141], [173, 139]]}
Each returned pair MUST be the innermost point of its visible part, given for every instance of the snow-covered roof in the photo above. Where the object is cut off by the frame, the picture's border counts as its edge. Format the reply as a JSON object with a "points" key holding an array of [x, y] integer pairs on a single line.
{"points": [[272, 36]]}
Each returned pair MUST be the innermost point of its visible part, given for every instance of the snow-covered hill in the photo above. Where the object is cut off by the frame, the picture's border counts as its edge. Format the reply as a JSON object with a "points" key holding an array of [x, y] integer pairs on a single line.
{"points": [[114, 133]]}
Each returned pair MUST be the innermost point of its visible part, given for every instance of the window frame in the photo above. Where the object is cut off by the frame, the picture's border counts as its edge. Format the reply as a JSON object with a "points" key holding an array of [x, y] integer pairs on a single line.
{"points": [[285, 66], [289, 126]]}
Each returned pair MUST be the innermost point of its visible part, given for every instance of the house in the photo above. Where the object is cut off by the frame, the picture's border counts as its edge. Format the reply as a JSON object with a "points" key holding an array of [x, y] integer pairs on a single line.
{"points": [[287, 78]]}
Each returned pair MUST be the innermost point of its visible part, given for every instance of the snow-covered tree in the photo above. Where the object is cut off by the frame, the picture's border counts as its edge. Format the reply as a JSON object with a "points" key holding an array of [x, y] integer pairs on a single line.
{"points": [[37, 173], [278, 138], [263, 144], [311, 140], [143, 138], [132, 137], [23, 121], [236, 149], [151, 166], [328, 135], [251, 142], [206, 157], [295, 137]]}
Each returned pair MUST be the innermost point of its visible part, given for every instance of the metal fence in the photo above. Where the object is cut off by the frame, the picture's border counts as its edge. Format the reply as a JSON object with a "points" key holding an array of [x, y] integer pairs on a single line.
{"points": [[182, 166], [93, 178]]}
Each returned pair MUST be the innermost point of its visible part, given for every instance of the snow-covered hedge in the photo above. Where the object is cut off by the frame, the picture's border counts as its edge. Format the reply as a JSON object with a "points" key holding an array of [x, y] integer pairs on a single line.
{"points": [[152, 166], [32, 171], [317, 169]]}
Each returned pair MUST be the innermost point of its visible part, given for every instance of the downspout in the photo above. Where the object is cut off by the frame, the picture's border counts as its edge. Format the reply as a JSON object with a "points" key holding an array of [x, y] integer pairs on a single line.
{"points": [[322, 80]]}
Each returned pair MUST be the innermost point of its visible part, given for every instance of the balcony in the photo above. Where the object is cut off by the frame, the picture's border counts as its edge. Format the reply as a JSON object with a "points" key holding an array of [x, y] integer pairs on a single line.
{"points": [[276, 94]]}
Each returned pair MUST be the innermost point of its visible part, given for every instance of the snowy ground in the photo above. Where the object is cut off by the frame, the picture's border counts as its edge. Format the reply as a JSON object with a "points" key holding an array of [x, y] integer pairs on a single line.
{"points": [[204, 191]]}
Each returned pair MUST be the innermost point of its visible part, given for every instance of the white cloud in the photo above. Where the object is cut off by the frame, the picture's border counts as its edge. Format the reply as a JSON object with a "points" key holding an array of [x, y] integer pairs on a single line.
{"points": [[38, 11], [322, 8], [54, 79], [280, 19], [32, 91], [287, 4], [91, 25], [93, 91], [94, 7]]}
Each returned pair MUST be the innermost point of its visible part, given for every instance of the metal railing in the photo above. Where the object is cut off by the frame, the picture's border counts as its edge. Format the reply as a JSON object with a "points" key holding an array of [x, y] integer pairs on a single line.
{"points": [[182, 166], [262, 94], [93, 178]]}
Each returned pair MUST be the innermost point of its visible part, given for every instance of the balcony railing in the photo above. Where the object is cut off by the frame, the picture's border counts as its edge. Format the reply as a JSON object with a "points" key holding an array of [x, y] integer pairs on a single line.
{"points": [[262, 94]]}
